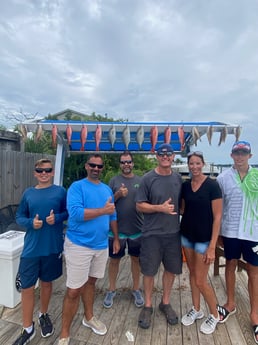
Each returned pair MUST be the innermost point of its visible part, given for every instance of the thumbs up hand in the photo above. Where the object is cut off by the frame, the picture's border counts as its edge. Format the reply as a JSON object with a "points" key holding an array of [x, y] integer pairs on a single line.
{"points": [[109, 207], [123, 190], [51, 218], [37, 223]]}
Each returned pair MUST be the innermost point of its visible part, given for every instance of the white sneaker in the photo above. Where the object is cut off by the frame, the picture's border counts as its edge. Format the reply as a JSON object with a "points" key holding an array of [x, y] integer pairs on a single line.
{"points": [[64, 341], [209, 325], [189, 318], [96, 325]]}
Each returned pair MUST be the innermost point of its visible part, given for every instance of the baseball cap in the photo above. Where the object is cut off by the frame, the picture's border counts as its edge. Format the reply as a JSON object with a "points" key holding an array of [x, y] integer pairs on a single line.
{"points": [[165, 148], [241, 146]]}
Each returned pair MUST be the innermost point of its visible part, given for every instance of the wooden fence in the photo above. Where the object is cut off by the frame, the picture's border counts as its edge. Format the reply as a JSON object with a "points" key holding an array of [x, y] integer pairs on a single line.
{"points": [[16, 174]]}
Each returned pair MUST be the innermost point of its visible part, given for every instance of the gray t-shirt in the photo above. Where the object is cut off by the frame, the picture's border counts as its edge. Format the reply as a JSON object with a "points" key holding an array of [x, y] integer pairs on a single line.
{"points": [[156, 189], [128, 218]]}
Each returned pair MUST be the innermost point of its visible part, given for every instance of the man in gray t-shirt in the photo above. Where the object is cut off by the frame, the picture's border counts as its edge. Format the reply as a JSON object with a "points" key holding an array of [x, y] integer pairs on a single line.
{"points": [[124, 187], [158, 198]]}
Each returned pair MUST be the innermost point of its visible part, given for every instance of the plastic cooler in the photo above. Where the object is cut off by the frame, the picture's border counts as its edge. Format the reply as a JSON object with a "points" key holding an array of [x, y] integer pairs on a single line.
{"points": [[11, 245]]}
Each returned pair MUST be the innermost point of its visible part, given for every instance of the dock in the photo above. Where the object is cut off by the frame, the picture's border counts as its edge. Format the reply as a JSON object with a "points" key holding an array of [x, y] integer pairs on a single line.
{"points": [[122, 319]]}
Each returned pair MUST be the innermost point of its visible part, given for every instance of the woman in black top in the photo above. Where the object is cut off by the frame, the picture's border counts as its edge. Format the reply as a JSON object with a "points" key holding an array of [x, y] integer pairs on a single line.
{"points": [[200, 227]]}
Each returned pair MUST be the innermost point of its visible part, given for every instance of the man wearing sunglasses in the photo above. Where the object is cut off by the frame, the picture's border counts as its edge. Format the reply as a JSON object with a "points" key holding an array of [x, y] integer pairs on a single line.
{"points": [[41, 212], [124, 187], [158, 199], [91, 209]]}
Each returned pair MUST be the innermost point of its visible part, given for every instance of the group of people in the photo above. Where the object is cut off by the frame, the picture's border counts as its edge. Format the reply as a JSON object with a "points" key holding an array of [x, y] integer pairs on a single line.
{"points": [[151, 218]]}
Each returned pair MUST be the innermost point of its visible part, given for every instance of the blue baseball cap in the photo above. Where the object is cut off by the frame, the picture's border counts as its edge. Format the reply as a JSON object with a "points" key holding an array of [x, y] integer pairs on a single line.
{"points": [[165, 148], [241, 146]]}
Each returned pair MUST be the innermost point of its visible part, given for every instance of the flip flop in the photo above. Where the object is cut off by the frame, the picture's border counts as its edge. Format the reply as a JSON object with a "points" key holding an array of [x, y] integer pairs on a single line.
{"points": [[255, 330], [224, 314]]}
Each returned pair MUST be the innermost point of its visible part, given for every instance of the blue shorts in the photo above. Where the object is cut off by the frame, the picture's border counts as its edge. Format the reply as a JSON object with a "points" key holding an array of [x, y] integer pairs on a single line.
{"points": [[45, 268], [156, 249], [234, 248], [133, 244], [198, 247]]}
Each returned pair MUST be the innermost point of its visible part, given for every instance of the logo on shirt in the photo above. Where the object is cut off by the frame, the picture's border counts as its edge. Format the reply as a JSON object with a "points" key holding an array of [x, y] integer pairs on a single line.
{"points": [[250, 201], [255, 249]]}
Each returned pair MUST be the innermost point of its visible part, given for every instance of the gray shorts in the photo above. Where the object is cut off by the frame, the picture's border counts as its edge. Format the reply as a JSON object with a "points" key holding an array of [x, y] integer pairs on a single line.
{"points": [[156, 249], [83, 262]]}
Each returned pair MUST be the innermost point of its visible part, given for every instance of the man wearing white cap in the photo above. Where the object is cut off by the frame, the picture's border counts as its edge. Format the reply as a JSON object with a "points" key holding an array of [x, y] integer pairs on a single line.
{"points": [[239, 229]]}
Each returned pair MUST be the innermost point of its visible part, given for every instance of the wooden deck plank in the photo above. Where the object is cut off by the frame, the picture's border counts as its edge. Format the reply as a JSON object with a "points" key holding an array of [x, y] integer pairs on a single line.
{"points": [[230, 330], [189, 333], [123, 316]]}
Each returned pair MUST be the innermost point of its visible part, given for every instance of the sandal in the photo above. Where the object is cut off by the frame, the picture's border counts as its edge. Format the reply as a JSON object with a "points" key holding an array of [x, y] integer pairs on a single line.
{"points": [[170, 314], [144, 320], [224, 314], [255, 330]]}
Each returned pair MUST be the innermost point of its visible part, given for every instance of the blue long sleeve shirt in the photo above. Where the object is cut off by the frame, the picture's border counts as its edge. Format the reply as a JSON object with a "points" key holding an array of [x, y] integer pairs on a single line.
{"points": [[49, 238], [91, 233]]}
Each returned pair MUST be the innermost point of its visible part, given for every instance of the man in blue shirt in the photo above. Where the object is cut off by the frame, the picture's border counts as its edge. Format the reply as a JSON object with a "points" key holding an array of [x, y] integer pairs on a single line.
{"points": [[92, 213], [41, 212]]}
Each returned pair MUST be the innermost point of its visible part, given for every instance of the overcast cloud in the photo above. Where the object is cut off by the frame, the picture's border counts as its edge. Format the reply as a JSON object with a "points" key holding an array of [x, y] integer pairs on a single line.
{"points": [[141, 60]]}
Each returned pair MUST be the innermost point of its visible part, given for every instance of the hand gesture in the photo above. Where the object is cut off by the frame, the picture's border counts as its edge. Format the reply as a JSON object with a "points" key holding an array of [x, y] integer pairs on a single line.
{"points": [[116, 246], [123, 190], [51, 218], [168, 207], [209, 256], [109, 207], [37, 223]]}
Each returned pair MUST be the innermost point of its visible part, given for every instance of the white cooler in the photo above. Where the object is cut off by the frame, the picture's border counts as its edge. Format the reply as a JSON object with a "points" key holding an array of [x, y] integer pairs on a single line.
{"points": [[11, 245]]}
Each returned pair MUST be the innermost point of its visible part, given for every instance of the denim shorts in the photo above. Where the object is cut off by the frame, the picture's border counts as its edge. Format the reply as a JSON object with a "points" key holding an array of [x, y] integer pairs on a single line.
{"points": [[198, 247]]}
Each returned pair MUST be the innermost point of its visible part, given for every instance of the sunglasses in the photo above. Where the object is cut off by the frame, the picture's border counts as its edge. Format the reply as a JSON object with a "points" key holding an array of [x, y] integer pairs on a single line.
{"points": [[93, 165], [195, 153], [240, 153], [163, 154], [125, 162], [46, 170]]}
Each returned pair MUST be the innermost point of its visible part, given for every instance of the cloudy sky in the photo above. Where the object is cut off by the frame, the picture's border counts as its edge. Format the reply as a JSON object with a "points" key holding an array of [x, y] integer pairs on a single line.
{"points": [[141, 60]]}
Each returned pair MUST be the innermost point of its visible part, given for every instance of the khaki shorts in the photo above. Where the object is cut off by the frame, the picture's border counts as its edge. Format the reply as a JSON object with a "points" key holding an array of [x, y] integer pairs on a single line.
{"points": [[83, 262]]}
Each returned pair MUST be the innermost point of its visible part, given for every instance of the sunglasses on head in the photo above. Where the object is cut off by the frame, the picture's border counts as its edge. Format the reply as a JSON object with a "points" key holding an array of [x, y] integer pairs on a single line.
{"points": [[195, 153], [165, 153], [46, 170], [125, 162], [93, 165]]}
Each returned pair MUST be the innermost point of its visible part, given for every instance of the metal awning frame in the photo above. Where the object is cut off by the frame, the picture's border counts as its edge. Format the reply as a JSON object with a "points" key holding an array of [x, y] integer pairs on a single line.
{"points": [[63, 149]]}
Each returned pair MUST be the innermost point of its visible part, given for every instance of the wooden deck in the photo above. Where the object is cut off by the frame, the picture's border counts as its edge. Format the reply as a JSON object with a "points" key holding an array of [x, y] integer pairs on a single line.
{"points": [[122, 318]]}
